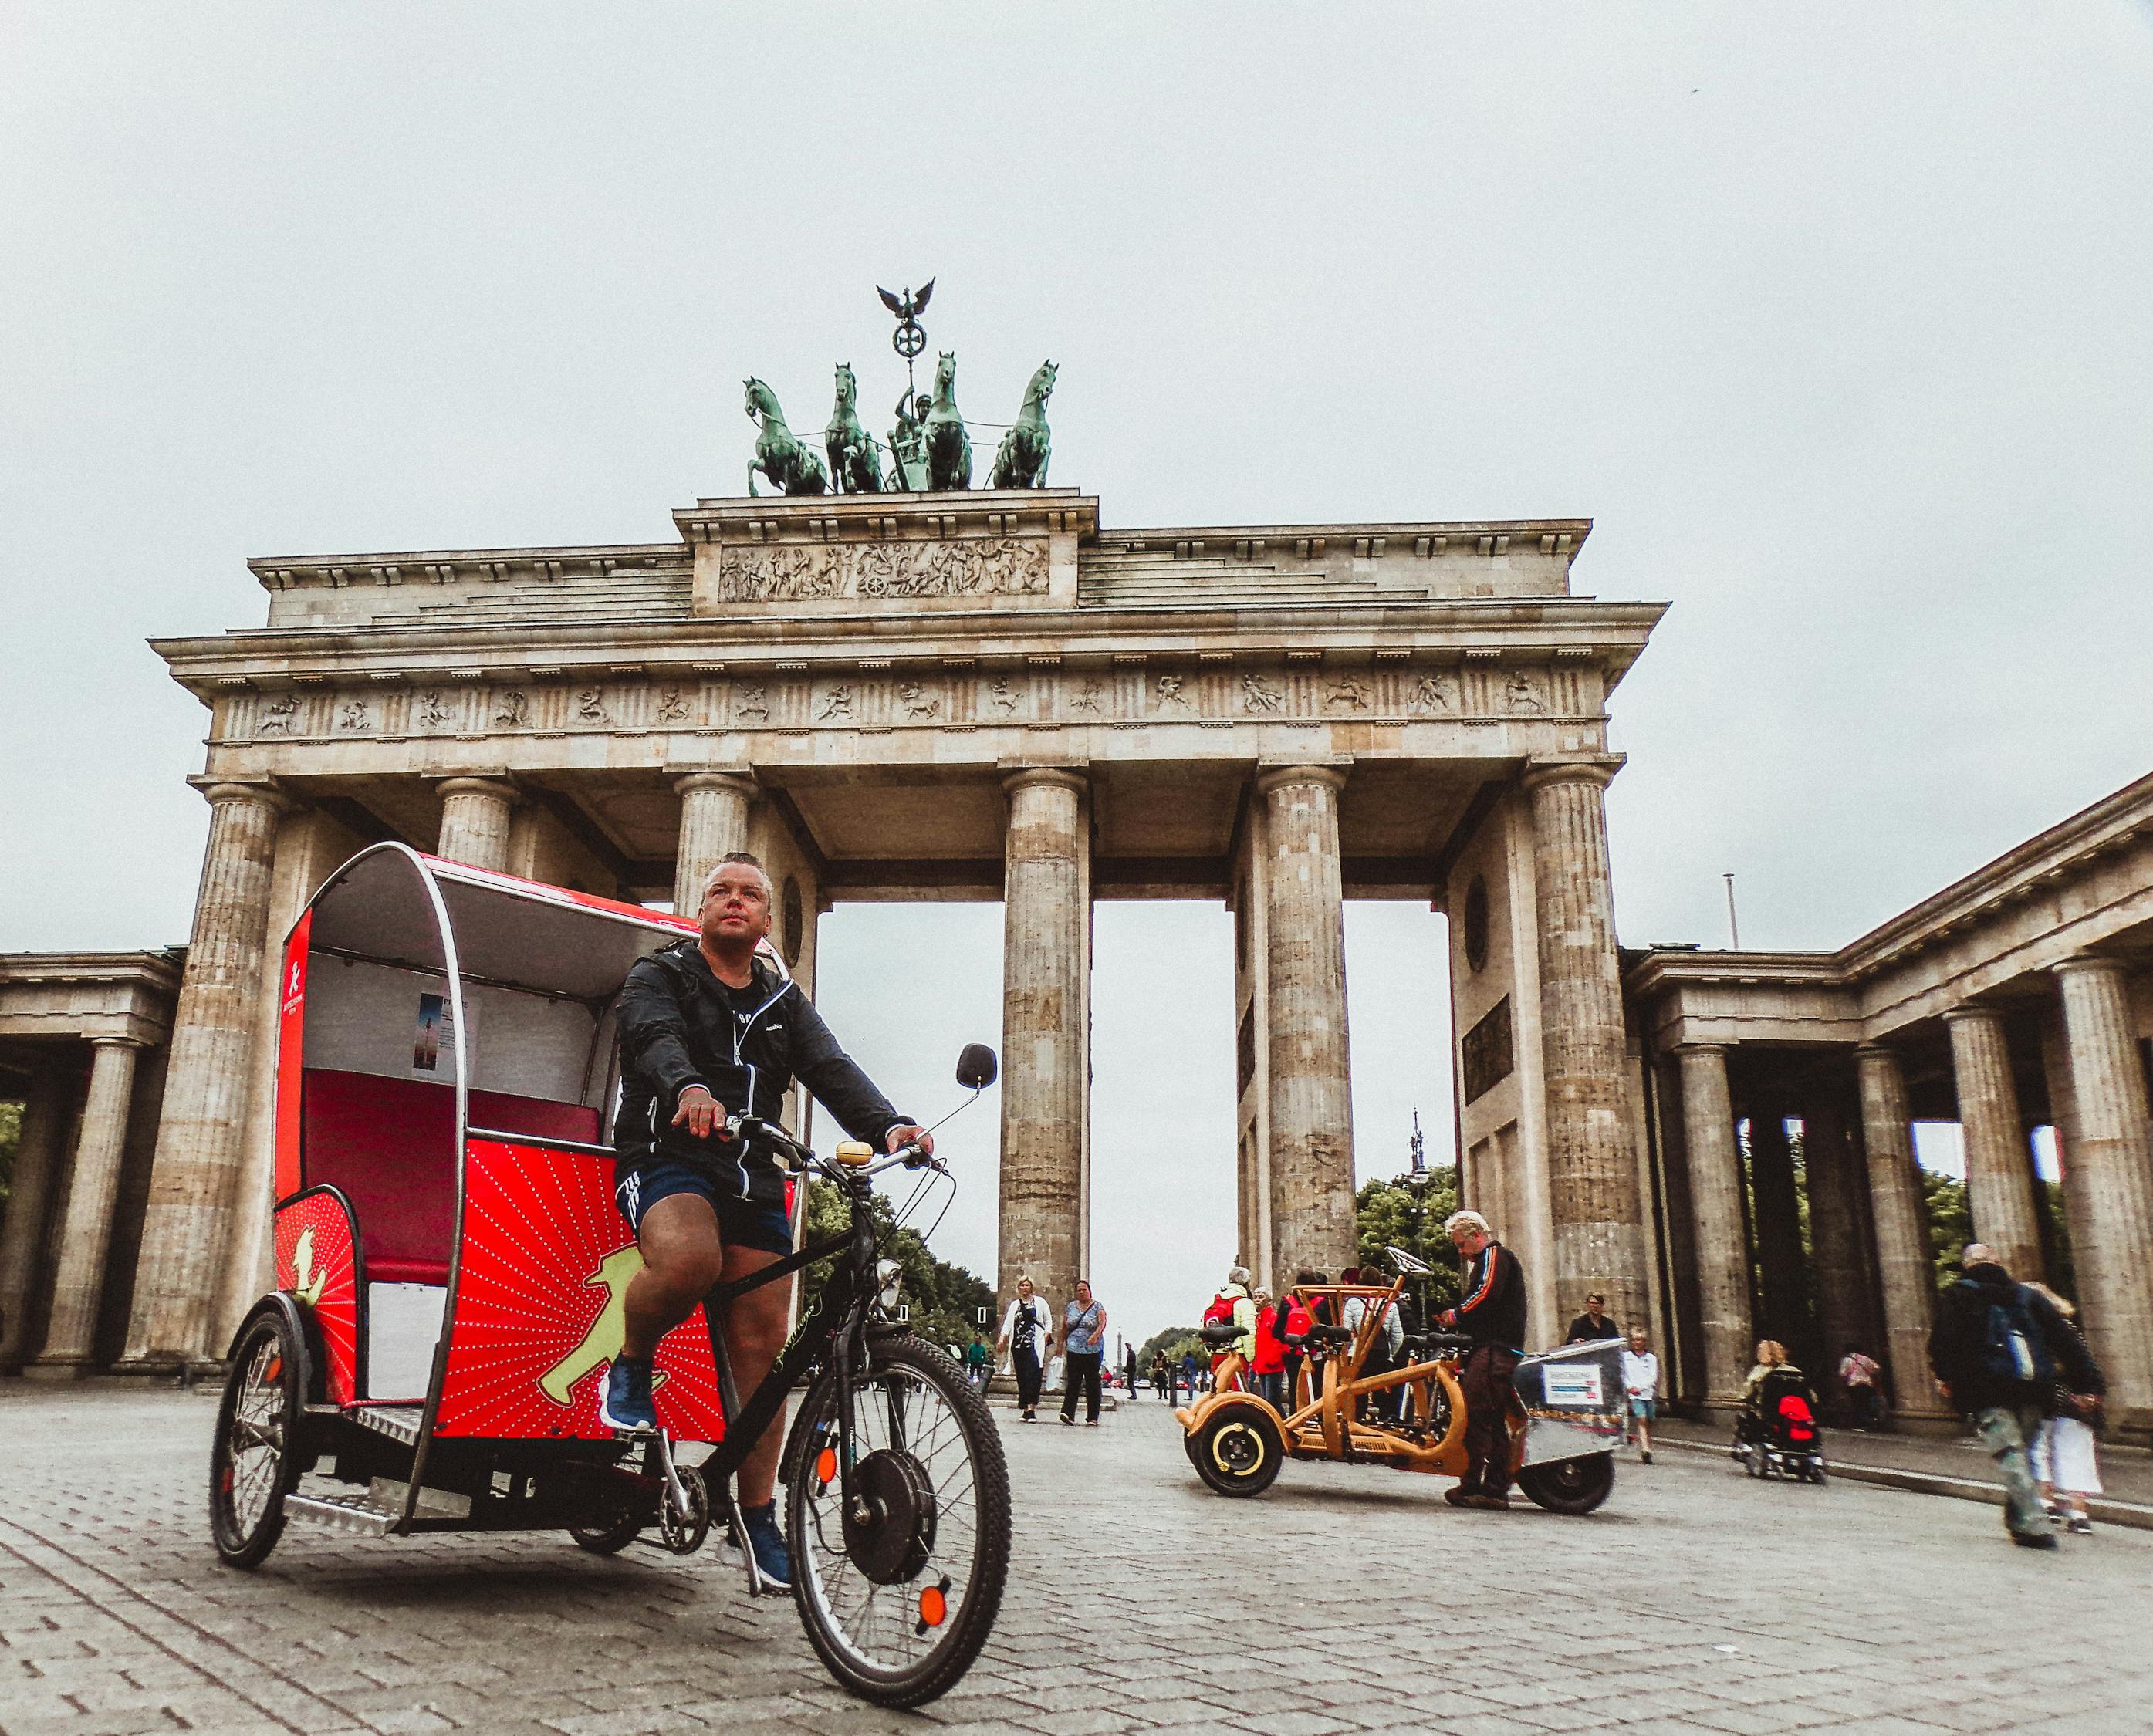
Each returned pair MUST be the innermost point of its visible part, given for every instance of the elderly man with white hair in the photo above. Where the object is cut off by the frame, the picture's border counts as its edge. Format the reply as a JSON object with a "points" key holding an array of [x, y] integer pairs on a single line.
{"points": [[1492, 1314], [708, 1027]]}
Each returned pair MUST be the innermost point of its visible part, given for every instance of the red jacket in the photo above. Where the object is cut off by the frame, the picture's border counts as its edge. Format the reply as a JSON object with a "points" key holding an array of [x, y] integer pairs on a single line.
{"points": [[1270, 1352]]}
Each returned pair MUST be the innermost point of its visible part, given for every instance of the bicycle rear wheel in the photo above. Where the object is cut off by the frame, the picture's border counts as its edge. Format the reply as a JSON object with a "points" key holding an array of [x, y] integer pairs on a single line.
{"points": [[898, 1593]]}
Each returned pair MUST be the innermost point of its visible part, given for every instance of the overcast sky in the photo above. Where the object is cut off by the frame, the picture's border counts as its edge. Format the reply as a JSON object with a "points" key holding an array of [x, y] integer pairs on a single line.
{"points": [[1835, 319]]}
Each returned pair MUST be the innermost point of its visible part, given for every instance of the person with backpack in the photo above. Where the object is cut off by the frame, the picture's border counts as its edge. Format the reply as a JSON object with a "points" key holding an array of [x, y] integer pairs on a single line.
{"points": [[1233, 1303], [1999, 1351], [1269, 1365], [1296, 1319]]}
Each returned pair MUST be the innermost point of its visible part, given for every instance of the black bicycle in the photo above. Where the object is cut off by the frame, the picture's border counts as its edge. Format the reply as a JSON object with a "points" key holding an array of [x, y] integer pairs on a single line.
{"points": [[896, 1505]]}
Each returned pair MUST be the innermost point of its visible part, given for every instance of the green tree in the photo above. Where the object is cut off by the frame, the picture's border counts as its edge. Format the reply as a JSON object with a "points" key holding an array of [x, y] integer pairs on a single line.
{"points": [[11, 1135], [945, 1299], [1392, 1213], [1175, 1341], [1950, 1226]]}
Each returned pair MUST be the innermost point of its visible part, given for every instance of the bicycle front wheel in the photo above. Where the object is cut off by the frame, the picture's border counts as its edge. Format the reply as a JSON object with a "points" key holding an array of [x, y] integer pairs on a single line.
{"points": [[899, 1591]]}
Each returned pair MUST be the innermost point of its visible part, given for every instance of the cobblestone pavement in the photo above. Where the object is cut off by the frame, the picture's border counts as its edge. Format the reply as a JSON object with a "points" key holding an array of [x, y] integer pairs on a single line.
{"points": [[1347, 1598]]}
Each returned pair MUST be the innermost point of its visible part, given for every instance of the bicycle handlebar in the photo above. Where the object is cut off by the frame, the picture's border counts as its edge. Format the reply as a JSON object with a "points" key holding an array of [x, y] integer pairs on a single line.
{"points": [[908, 1154]]}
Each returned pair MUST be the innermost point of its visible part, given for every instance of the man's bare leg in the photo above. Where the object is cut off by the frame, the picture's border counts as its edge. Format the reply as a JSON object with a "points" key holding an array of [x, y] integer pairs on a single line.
{"points": [[755, 1333], [682, 1258]]}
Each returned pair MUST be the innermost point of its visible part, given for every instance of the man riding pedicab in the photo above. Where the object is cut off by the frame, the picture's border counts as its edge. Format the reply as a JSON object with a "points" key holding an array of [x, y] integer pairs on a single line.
{"points": [[708, 1026]]}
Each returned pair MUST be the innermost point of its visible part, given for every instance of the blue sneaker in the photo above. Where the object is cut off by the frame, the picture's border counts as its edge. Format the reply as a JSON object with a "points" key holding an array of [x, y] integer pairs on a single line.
{"points": [[625, 1405], [772, 1560]]}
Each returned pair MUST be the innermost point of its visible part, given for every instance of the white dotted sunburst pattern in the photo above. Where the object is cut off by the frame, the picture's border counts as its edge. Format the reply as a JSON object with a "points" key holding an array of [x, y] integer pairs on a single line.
{"points": [[329, 1286], [547, 1254]]}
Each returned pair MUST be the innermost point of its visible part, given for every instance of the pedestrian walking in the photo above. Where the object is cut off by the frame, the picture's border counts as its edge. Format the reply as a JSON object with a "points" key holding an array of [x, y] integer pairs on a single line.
{"points": [[2065, 1461], [975, 1362], [1027, 1329], [1188, 1371], [1593, 1324], [1641, 1390], [1161, 1375], [1084, 1345], [1998, 1350], [1860, 1378], [1270, 1352]]}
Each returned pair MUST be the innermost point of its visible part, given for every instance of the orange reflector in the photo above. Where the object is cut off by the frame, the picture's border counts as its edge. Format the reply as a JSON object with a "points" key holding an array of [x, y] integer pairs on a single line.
{"points": [[275, 1371], [825, 1466], [933, 1607]]}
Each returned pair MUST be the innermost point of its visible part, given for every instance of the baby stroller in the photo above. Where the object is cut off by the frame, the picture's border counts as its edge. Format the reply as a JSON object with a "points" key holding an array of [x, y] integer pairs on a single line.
{"points": [[1776, 1434]]}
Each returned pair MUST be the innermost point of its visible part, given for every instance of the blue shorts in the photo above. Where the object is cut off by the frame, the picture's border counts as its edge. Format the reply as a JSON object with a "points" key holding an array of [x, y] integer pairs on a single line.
{"points": [[741, 1222], [1645, 1407]]}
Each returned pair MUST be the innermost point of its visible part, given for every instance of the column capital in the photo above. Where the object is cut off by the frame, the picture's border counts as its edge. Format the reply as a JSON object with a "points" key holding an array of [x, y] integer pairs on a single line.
{"points": [[1698, 1048], [1598, 769], [118, 1042], [1875, 1051], [1972, 1012], [1031, 777], [496, 785], [218, 791], [2090, 963], [1274, 777], [739, 781]]}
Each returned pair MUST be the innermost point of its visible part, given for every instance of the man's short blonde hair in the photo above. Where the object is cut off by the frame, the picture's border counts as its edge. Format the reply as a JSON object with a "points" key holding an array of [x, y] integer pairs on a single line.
{"points": [[1466, 1220]]}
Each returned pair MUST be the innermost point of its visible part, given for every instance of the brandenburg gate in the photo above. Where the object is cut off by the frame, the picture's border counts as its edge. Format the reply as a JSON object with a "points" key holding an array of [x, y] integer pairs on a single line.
{"points": [[977, 694]]}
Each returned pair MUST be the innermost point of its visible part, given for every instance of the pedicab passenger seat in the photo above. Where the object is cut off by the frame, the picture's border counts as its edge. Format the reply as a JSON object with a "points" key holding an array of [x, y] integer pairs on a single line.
{"points": [[389, 1145]]}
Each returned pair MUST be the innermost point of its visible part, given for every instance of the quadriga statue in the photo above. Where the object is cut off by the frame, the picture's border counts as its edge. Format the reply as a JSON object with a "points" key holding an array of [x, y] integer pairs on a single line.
{"points": [[1021, 459]]}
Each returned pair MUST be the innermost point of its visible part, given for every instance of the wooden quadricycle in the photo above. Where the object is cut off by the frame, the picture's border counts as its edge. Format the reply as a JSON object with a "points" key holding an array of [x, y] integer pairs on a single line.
{"points": [[1565, 1411]]}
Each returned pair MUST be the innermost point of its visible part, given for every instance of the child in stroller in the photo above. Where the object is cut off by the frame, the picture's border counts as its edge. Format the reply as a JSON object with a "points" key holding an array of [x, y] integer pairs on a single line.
{"points": [[1776, 1434]]}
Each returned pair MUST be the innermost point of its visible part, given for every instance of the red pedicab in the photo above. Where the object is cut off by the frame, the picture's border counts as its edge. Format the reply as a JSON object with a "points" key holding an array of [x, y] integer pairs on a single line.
{"points": [[451, 1273]]}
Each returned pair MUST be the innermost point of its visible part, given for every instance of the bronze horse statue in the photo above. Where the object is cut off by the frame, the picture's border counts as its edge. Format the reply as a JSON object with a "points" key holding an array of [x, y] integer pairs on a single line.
{"points": [[855, 467], [1021, 459], [949, 447], [790, 467]]}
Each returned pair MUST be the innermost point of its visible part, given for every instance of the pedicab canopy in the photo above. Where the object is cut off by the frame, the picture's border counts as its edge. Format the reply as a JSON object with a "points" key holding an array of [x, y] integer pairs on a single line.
{"points": [[445, 1066]]}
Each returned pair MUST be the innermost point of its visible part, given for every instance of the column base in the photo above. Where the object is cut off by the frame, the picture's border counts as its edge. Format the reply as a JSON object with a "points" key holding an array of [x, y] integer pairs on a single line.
{"points": [[1933, 1425], [185, 1370], [60, 1369]]}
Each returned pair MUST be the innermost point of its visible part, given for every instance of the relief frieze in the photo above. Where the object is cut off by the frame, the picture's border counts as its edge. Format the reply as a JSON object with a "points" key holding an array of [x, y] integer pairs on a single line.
{"points": [[806, 573], [801, 698]]}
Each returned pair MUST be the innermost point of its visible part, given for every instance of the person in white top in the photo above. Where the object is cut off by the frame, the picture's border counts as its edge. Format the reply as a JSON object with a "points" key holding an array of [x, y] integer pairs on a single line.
{"points": [[1027, 1329], [1641, 1386]]}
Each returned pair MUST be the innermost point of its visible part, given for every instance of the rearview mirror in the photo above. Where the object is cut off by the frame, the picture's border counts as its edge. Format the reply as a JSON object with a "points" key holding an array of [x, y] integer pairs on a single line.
{"points": [[977, 1067]]}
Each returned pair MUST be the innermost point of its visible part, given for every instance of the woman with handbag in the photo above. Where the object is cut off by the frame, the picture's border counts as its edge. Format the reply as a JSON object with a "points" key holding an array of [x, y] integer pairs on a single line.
{"points": [[1027, 1328]]}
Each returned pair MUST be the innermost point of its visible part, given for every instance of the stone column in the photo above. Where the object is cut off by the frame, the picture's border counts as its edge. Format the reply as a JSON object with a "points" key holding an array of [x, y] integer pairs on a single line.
{"points": [[1722, 1242], [29, 1201], [476, 817], [1046, 1059], [2109, 1169], [1311, 1099], [1900, 1215], [1999, 1162], [86, 1233], [201, 1139], [1593, 1196], [1837, 1231], [714, 815], [1776, 1223]]}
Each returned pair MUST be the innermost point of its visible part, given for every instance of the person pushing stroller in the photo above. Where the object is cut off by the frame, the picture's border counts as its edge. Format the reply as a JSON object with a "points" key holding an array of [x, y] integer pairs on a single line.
{"points": [[1776, 1432]]}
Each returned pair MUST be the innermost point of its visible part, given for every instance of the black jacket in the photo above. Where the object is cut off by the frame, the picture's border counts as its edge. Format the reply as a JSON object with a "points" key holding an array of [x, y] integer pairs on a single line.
{"points": [[1958, 1345], [680, 1026], [1493, 1309], [1583, 1332]]}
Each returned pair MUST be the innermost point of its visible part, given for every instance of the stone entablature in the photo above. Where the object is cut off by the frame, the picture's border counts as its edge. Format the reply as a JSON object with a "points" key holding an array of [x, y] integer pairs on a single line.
{"points": [[2079, 886], [89, 995], [1030, 548]]}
